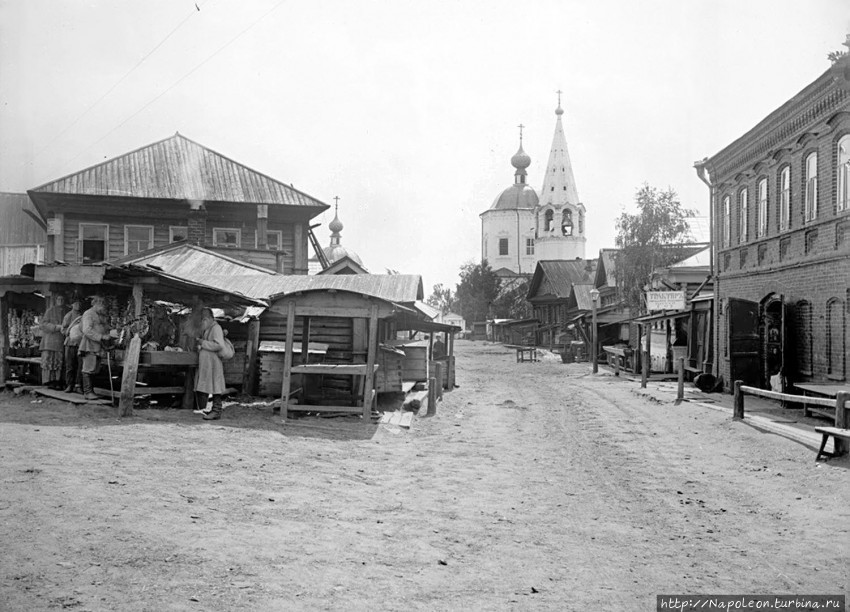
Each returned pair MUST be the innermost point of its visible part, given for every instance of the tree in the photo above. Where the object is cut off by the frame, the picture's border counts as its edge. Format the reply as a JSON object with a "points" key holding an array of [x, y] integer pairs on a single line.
{"points": [[442, 298], [511, 303], [477, 290], [653, 237]]}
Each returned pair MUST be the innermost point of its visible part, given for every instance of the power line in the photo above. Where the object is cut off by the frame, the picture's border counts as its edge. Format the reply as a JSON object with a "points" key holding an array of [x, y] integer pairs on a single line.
{"points": [[180, 80], [117, 83]]}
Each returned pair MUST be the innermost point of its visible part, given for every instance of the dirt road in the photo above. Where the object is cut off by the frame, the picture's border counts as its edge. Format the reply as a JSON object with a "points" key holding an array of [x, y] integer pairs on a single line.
{"points": [[536, 487]]}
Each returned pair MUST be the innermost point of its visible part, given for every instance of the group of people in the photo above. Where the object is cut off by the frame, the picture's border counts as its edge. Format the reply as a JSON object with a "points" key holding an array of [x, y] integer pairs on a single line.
{"points": [[73, 343], [76, 344]]}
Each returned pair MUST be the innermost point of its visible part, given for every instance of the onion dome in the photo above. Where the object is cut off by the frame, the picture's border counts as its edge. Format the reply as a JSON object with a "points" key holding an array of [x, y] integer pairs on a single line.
{"points": [[520, 160]]}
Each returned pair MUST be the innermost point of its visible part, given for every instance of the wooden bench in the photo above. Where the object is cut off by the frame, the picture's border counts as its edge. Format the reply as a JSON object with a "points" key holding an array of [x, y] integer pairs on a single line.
{"points": [[839, 435], [526, 353]]}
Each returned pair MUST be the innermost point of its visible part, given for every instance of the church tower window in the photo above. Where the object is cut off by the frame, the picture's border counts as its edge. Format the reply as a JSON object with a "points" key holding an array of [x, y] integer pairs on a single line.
{"points": [[548, 219], [567, 224]]}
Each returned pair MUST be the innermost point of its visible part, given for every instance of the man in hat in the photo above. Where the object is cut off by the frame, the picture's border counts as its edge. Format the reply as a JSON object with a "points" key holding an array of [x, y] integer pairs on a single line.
{"points": [[72, 330], [91, 345]]}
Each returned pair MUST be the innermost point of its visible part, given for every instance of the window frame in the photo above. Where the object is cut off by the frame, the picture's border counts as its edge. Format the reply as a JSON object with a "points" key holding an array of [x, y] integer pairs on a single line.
{"points": [[278, 233], [842, 170], [835, 309], [761, 208], [529, 246], [81, 240], [506, 242], [785, 198], [727, 220], [171, 229], [743, 215], [810, 207], [131, 226], [236, 230]]}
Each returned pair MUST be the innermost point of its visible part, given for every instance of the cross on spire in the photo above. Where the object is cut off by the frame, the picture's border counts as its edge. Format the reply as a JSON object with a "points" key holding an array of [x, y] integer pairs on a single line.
{"points": [[520, 133], [559, 92], [336, 205]]}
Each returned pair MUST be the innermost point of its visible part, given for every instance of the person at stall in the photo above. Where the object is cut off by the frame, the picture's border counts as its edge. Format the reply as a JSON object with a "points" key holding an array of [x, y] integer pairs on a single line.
{"points": [[95, 334], [52, 344], [73, 331], [209, 376], [439, 350]]}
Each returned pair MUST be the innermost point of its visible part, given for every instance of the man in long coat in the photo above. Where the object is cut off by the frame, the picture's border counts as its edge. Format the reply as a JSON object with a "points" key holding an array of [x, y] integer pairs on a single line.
{"points": [[91, 346]]}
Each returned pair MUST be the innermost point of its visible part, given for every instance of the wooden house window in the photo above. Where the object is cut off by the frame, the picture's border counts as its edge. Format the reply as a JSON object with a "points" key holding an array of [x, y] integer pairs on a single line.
{"points": [[137, 238], [274, 240], [761, 228], [503, 246], [811, 212], [227, 237], [784, 198], [843, 174], [92, 243], [177, 233]]}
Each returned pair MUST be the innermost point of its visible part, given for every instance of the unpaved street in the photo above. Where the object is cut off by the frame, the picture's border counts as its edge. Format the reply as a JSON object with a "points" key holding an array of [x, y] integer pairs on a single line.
{"points": [[537, 486]]}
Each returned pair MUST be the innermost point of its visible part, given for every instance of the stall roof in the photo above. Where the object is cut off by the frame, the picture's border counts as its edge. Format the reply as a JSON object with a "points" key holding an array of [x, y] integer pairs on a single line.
{"points": [[517, 322], [192, 262], [154, 281], [678, 314], [397, 288]]}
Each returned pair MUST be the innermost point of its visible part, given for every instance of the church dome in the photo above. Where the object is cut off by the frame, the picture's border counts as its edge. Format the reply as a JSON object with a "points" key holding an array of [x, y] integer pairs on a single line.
{"points": [[520, 160], [336, 252], [518, 195]]}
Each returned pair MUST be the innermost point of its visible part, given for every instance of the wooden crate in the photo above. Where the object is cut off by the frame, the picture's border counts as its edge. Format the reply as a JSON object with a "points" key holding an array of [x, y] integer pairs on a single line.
{"points": [[415, 364], [391, 372]]}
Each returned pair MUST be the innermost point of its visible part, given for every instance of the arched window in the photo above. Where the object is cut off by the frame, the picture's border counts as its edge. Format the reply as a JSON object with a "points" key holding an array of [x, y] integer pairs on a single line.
{"points": [[761, 228], [580, 222], [804, 337], [548, 220], [843, 171], [743, 215], [567, 223], [727, 221], [784, 198], [835, 339], [811, 212]]}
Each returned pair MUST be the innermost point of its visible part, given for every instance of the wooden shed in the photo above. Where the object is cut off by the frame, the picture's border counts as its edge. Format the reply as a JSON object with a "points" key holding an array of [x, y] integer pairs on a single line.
{"points": [[354, 319]]}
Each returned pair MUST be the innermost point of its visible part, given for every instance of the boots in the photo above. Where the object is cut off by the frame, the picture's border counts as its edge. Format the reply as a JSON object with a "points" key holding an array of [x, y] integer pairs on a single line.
{"points": [[215, 413], [88, 392], [201, 403]]}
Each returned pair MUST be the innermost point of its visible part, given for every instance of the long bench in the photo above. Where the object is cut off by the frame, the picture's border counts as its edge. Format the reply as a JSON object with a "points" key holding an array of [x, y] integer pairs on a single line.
{"points": [[838, 436]]}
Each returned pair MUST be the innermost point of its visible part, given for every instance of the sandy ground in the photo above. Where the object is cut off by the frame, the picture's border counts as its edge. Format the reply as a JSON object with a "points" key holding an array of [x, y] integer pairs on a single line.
{"points": [[536, 487]]}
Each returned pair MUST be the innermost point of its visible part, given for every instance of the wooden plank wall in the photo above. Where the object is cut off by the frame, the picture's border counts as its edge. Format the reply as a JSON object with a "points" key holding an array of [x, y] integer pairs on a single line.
{"points": [[336, 332]]}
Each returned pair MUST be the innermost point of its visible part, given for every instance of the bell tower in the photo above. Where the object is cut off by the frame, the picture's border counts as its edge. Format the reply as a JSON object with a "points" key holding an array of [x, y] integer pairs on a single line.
{"points": [[559, 229]]}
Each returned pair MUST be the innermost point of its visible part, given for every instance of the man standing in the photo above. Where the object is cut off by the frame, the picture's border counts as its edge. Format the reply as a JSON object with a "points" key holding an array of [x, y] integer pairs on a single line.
{"points": [[52, 344], [209, 377], [72, 330], [91, 345]]}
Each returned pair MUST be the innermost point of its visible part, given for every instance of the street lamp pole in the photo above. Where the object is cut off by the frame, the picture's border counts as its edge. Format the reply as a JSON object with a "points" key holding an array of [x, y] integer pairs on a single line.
{"points": [[594, 357]]}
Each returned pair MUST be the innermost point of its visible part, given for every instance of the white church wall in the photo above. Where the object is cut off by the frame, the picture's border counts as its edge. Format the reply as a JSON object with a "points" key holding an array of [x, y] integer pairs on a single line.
{"points": [[504, 224]]}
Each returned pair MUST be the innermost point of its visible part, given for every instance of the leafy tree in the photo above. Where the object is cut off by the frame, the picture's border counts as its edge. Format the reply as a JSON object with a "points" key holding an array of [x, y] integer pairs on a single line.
{"points": [[651, 238], [442, 298], [477, 290], [511, 302]]}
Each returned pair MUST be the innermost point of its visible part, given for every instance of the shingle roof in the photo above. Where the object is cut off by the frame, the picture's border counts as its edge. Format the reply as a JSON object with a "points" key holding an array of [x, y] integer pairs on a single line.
{"points": [[178, 168], [192, 262]]}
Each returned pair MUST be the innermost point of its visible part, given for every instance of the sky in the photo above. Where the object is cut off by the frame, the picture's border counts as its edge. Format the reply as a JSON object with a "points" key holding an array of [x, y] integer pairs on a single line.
{"points": [[407, 111]]}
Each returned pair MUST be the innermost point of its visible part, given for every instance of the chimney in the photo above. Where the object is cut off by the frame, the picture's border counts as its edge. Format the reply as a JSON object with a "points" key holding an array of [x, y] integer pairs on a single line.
{"points": [[197, 221]]}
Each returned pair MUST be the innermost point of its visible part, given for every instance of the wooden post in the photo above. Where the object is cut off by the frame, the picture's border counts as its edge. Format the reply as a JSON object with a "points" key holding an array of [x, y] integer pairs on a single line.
{"points": [[4, 337], [647, 357], [189, 389], [287, 360], [680, 395], [617, 365], [452, 374], [738, 410], [252, 347], [839, 444], [138, 297], [128, 379], [438, 375], [369, 383], [432, 397]]}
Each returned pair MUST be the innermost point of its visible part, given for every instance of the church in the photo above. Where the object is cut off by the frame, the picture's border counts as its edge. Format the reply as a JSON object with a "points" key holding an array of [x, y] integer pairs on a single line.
{"points": [[523, 227]]}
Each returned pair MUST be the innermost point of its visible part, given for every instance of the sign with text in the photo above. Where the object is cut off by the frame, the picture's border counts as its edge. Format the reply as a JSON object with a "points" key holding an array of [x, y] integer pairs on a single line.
{"points": [[665, 300], [54, 226]]}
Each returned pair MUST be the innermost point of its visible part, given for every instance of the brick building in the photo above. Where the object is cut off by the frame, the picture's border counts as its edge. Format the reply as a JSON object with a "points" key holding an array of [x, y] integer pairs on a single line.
{"points": [[780, 198]]}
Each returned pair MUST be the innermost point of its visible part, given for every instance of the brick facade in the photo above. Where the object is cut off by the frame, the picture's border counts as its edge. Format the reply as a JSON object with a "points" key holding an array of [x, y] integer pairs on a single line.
{"points": [[807, 262]]}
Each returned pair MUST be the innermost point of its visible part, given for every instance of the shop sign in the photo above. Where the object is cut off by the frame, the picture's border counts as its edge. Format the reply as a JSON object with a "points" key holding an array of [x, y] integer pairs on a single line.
{"points": [[665, 300]]}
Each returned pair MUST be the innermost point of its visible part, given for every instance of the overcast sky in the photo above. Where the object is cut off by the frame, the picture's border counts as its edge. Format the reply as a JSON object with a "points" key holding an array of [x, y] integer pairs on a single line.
{"points": [[407, 111]]}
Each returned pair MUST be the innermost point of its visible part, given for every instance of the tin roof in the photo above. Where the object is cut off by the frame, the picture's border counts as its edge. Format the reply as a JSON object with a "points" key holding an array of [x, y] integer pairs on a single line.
{"points": [[397, 288], [16, 226], [178, 168], [559, 276], [192, 262]]}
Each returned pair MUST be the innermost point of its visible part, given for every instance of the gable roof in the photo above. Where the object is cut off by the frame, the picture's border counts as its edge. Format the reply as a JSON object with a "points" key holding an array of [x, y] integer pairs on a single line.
{"points": [[607, 268], [559, 276], [344, 265], [178, 168]]}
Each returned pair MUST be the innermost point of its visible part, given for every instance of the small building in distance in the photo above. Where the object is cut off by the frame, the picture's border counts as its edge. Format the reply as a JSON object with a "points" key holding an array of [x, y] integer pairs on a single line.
{"points": [[23, 233]]}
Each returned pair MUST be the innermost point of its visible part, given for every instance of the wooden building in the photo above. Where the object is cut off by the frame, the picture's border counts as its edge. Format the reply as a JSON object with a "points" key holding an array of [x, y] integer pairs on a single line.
{"points": [[175, 190], [22, 233]]}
